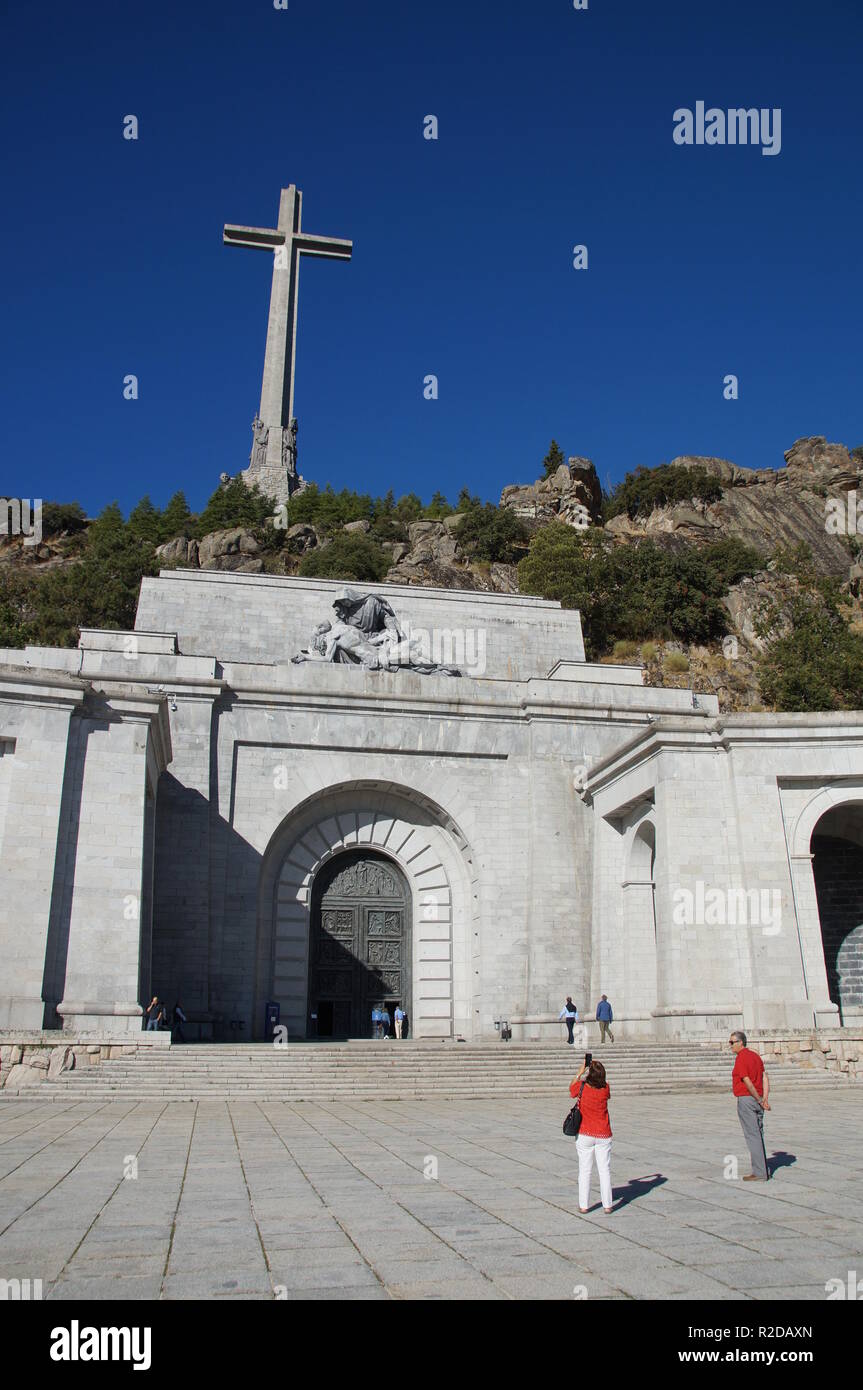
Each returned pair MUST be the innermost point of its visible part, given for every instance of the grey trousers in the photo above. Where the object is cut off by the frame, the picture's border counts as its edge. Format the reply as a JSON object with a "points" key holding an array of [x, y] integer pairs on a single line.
{"points": [[751, 1118]]}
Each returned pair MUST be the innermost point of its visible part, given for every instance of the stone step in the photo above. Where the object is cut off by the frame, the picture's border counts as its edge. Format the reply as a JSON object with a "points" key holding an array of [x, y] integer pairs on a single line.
{"points": [[375, 1070]]}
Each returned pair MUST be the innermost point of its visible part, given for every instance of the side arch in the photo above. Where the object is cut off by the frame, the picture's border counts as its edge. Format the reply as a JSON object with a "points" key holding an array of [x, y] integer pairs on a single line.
{"points": [[843, 797], [827, 799], [435, 859]]}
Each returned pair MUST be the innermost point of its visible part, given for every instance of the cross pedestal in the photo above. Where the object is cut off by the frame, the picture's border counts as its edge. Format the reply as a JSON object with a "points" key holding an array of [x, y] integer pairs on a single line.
{"points": [[273, 462]]}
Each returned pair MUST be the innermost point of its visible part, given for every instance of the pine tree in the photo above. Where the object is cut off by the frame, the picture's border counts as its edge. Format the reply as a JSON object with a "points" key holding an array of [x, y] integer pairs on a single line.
{"points": [[144, 521], [176, 518], [553, 459], [438, 507]]}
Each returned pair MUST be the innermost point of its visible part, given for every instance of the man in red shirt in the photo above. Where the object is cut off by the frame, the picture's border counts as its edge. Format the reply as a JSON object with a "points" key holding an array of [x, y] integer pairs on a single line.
{"points": [[751, 1085]]}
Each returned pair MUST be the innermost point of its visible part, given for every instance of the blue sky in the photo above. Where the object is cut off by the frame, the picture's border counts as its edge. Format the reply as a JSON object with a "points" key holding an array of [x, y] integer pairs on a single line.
{"points": [[555, 128]]}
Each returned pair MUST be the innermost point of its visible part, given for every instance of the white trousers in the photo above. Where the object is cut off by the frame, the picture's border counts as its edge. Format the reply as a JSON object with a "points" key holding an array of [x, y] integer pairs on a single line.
{"points": [[587, 1148]]}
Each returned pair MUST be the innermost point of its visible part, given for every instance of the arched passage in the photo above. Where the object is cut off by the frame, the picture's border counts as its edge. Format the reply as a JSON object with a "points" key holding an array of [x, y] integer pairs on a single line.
{"points": [[390, 823], [639, 923], [837, 865]]}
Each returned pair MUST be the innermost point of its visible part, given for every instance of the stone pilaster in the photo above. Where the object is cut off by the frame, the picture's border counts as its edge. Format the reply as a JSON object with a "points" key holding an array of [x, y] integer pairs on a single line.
{"points": [[35, 718], [127, 746]]}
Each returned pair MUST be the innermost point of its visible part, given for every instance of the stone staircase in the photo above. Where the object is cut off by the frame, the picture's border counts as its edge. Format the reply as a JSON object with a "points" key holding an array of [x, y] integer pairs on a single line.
{"points": [[414, 1070]]}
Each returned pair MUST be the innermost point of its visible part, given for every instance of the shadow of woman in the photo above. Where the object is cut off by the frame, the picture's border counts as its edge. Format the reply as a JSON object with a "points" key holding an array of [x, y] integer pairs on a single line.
{"points": [[635, 1188]]}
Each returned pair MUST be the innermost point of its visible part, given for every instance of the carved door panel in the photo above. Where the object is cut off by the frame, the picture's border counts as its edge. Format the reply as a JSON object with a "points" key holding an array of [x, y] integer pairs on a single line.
{"points": [[360, 947], [384, 954]]}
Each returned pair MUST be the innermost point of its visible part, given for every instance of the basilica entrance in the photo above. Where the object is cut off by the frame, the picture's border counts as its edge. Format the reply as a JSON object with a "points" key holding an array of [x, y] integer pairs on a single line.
{"points": [[360, 948]]}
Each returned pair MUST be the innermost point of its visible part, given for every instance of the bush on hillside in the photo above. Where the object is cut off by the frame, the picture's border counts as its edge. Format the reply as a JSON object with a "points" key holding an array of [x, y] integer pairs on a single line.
{"points": [[647, 488], [350, 556], [813, 659], [58, 517], [629, 592], [493, 534]]}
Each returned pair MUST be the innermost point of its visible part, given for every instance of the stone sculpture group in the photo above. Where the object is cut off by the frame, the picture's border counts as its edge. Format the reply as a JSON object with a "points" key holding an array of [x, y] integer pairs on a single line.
{"points": [[366, 633]]}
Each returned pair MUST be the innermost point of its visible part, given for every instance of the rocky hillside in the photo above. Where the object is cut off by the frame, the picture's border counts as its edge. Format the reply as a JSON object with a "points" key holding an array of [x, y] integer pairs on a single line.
{"points": [[802, 502]]}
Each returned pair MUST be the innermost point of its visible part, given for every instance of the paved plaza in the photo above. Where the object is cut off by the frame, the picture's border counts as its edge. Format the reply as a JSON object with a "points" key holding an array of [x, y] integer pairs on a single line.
{"points": [[425, 1200]]}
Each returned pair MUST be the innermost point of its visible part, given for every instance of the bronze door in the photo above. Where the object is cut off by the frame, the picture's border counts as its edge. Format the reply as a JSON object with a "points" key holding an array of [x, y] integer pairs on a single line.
{"points": [[360, 948]]}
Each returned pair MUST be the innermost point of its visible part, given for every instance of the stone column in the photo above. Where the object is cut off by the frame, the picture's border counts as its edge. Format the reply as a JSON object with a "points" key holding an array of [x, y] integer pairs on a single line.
{"points": [[638, 932], [35, 712], [127, 746], [185, 858], [818, 1001]]}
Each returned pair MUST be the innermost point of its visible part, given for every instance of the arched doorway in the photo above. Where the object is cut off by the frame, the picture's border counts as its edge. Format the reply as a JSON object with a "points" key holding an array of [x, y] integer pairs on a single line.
{"points": [[360, 947], [837, 864], [410, 834]]}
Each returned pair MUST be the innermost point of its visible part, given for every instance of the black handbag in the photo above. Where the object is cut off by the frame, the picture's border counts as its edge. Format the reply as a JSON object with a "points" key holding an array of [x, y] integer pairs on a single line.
{"points": [[572, 1123]]}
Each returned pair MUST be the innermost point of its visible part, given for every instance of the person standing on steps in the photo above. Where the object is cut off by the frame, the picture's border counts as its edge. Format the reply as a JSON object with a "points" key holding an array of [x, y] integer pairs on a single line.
{"points": [[151, 1013], [604, 1018], [399, 1018], [569, 1013], [751, 1085], [594, 1135]]}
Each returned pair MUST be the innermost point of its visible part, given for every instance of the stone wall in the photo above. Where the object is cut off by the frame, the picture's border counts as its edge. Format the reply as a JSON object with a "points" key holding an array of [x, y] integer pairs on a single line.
{"points": [[30, 1058], [822, 1050]]}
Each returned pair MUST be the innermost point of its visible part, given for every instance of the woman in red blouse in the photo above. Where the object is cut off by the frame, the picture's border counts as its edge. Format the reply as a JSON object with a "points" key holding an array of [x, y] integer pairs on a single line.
{"points": [[594, 1136]]}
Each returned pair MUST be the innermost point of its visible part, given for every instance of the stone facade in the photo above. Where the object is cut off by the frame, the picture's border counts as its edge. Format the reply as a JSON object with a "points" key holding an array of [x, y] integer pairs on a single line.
{"points": [[169, 796]]}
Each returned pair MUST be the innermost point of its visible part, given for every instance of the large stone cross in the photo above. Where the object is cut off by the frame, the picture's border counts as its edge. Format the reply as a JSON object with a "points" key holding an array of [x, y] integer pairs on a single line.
{"points": [[274, 449]]}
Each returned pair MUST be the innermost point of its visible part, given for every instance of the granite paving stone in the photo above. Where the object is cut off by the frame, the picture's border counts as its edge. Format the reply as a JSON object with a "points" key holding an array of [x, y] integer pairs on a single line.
{"points": [[243, 1200]]}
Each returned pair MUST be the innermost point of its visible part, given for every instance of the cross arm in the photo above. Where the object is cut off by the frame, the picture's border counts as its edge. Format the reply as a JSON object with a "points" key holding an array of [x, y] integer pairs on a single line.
{"points": [[266, 237], [332, 247]]}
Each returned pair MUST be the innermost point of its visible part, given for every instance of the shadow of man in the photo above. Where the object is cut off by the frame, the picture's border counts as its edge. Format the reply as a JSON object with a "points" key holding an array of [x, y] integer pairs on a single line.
{"points": [[780, 1159]]}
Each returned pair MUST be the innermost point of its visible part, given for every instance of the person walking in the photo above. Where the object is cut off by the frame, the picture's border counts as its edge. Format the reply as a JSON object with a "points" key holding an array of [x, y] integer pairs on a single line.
{"points": [[751, 1085], [179, 1018], [151, 1013], [570, 1014], [594, 1135], [604, 1018], [400, 1018]]}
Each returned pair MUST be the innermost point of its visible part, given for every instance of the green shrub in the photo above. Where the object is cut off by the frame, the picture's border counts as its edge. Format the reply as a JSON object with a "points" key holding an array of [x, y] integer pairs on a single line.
{"points": [[349, 556], [675, 663], [492, 534], [647, 488], [626, 592], [387, 528], [732, 560], [813, 660], [624, 650], [62, 516], [649, 651], [817, 665]]}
